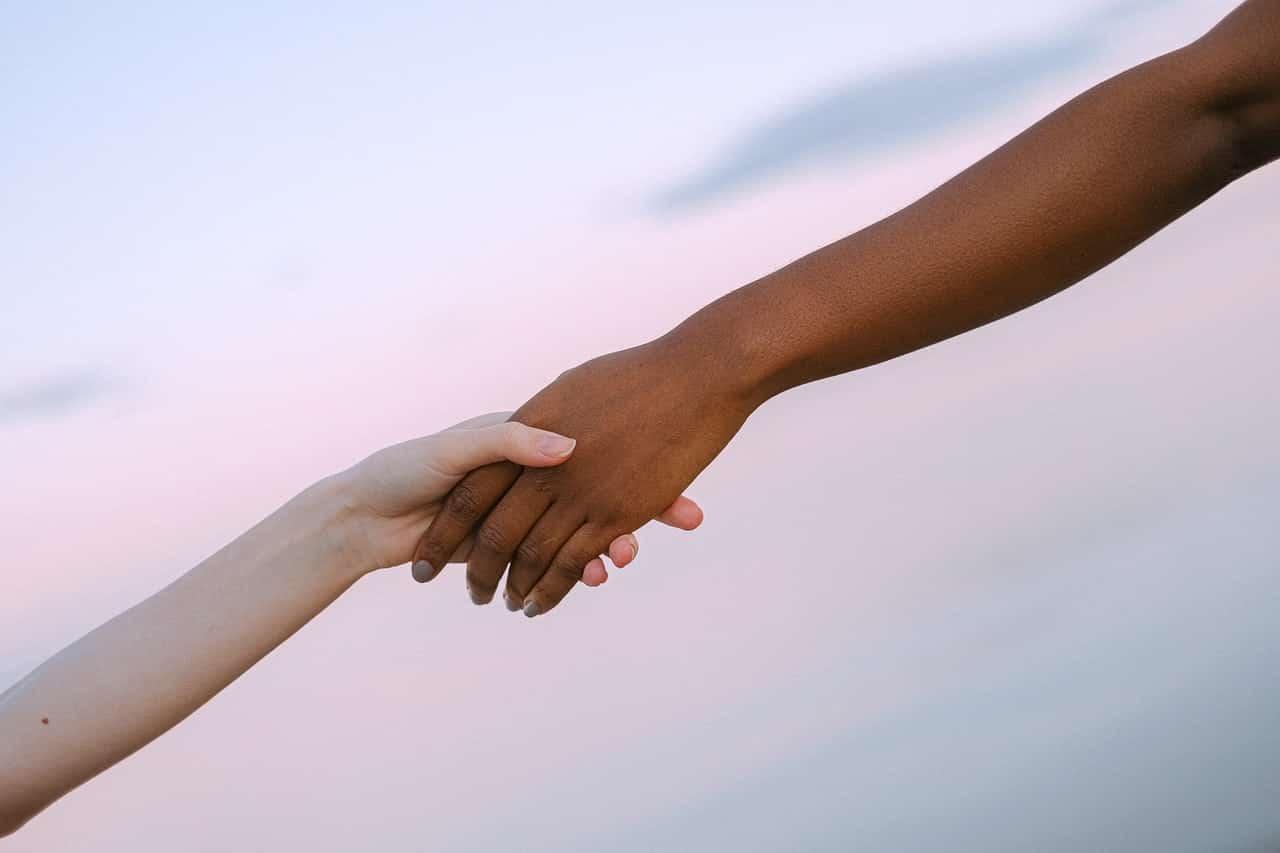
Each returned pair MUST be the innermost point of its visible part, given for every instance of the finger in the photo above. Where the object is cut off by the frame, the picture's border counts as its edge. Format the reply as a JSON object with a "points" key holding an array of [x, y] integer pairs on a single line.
{"points": [[466, 504], [463, 551], [536, 550], [454, 452], [683, 513], [483, 420], [500, 534], [566, 569], [595, 574], [624, 549]]}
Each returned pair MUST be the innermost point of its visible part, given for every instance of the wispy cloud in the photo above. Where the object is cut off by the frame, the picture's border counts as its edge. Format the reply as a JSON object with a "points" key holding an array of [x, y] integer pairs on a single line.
{"points": [[866, 117], [54, 397]]}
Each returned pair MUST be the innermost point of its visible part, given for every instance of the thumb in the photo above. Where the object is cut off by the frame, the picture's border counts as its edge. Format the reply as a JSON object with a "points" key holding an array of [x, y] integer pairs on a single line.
{"points": [[458, 451]]}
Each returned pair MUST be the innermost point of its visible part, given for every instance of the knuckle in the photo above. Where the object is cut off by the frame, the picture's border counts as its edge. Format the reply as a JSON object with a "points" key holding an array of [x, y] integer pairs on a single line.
{"points": [[569, 569], [530, 552], [464, 502], [512, 433], [491, 539], [542, 479]]}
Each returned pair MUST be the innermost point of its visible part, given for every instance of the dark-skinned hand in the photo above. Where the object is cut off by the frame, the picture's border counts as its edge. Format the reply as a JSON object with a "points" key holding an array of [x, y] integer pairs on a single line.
{"points": [[646, 423]]}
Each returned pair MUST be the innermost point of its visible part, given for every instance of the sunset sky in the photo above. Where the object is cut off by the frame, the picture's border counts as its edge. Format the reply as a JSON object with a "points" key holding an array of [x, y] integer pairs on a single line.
{"points": [[1017, 591]]}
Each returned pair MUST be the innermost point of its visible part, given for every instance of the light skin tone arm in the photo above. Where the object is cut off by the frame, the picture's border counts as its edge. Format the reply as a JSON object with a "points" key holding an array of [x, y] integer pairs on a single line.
{"points": [[1058, 202], [132, 679]]}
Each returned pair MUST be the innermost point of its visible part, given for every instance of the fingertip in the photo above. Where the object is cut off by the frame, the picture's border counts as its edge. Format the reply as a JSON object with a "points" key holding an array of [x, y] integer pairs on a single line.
{"points": [[624, 549], [538, 447], [683, 514], [595, 573], [554, 447]]}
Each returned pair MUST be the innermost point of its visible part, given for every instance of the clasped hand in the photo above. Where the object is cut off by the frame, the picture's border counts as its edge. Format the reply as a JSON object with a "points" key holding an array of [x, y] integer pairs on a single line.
{"points": [[645, 427]]}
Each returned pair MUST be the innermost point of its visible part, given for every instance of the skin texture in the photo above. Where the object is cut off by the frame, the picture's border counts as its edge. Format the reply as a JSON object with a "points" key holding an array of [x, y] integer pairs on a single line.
{"points": [[156, 663], [395, 493], [1061, 200], [563, 524]]}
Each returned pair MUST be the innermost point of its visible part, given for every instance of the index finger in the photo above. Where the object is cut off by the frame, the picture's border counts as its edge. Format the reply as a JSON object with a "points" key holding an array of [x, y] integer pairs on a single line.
{"points": [[468, 502]]}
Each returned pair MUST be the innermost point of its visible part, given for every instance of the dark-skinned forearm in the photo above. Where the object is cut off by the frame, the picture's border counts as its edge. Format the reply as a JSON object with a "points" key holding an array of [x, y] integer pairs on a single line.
{"points": [[1058, 202], [1061, 200]]}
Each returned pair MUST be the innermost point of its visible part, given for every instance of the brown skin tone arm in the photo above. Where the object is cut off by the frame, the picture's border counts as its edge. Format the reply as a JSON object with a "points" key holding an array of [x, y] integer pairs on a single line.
{"points": [[1063, 199], [1060, 201]]}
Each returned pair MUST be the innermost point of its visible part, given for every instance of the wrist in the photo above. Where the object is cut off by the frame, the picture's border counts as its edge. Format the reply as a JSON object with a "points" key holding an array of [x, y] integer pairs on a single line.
{"points": [[336, 526], [729, 360]]}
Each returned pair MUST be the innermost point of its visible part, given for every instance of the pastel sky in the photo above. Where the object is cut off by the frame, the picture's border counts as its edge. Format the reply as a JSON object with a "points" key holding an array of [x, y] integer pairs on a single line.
{"points": [[1013, 592]]}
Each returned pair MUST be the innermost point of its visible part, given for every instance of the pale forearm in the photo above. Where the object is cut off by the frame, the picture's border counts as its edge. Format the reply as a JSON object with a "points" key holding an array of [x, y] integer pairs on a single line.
{"points": [[1055, 204], [138, 675]]}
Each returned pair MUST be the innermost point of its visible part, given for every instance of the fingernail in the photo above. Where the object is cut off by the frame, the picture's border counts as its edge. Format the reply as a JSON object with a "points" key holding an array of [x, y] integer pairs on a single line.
{"points": [[423, 571], [532, 609], [512, 605], [475, 596], [554, 445]]}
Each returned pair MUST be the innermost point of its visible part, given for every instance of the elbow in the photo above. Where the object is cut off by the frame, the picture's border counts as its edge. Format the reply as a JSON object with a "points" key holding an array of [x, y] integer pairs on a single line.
{"points": [[1255, 135], [1243, 141], [1239, 92]]}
